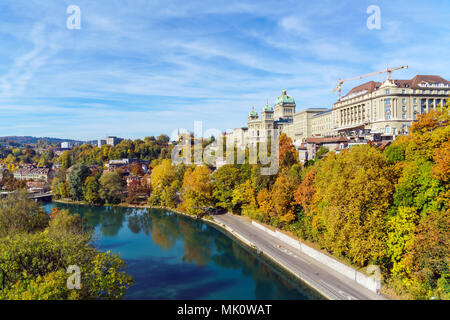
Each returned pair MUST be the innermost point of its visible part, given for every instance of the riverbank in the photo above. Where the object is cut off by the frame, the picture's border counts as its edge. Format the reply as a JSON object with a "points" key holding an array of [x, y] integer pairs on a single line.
{"points": [[126, 205], [323, 279]]}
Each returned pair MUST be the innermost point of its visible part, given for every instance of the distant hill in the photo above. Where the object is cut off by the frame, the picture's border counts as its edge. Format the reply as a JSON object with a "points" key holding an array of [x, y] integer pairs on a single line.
{"points": [[34, 140]]}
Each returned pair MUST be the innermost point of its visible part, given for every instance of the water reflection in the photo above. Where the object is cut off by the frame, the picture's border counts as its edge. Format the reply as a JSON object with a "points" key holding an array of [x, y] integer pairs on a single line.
{"points": [[174, 257]]}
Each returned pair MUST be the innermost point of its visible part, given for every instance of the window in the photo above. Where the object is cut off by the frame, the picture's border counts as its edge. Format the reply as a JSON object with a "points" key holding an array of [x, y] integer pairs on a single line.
{"points": [[403, 91], [388, 108], [388, 101], [415, 108], [403, 108], [423, 91], [415, 100], [388, 116], [388, 129], [388, 91], [403, 115], [403, 100]]}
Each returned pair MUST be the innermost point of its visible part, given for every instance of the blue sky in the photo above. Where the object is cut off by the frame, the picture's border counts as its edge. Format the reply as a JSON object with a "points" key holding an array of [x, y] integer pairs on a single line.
{"points": [[139, 68]]}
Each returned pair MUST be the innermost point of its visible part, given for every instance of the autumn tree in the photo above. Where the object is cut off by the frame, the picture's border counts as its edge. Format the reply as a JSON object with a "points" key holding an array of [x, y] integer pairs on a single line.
{"points": [[287, 153], [92, 190], [283, 199], [353, 194], [427, 257], [163, 183], [306, 190], [134, 189], [197, 190], [244, 199], [417, 230], [266, 204]]}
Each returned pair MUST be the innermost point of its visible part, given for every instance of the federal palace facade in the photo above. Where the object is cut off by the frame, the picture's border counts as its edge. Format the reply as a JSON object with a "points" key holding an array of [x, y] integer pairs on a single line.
{"points": [[384, 108]]}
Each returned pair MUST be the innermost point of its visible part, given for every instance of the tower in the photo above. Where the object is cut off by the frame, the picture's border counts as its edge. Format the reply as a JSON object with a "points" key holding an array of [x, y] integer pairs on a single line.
{"points": [[284, 106]]}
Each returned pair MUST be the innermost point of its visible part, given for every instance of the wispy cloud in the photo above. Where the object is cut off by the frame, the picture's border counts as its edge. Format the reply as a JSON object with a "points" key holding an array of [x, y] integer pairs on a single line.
{"points": [[139, 68]]}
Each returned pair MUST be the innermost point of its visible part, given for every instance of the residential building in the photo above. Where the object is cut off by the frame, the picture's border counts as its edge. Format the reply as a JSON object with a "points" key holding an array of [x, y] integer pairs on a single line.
{"points": [[101, 142], [33, 173], [132, 178], [115, 164], [66, 145], [113, 141]]}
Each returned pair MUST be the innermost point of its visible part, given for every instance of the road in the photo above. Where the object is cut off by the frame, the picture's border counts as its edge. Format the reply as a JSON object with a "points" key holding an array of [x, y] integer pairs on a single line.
{"points": [[319, 276]]}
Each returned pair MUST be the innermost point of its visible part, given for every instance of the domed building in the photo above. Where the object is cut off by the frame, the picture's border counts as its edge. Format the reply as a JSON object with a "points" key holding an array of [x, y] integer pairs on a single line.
{"points": [[284, 106], [272, 117]]}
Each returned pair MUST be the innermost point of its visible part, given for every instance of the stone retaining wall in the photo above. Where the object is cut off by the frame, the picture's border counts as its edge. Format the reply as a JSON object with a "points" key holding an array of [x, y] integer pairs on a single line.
{"points": [[362, 279]]}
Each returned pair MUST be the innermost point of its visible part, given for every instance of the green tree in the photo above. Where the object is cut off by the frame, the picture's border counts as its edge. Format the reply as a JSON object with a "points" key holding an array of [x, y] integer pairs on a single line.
{"points": [[45, 277], [77, 176], [112, 187], [35, 253], [92, 190], [225, 179], [18, 214], [66, 160], [321, 152]]}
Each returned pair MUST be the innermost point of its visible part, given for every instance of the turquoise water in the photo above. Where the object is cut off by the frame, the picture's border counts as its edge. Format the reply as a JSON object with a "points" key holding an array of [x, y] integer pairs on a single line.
{"points": [[175, 257]]}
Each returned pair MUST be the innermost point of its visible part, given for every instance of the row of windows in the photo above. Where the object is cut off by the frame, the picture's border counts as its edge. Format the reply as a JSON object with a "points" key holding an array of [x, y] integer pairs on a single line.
{"points": [[388, 91], [423, 101], [388, 129]]}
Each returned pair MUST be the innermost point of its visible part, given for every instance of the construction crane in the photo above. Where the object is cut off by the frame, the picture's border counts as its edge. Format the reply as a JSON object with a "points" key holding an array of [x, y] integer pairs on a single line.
{"points": [[389, 72]]}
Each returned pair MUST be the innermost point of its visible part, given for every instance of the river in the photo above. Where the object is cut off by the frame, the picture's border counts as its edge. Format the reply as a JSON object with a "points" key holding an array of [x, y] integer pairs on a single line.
{"points": [[174, 257]]}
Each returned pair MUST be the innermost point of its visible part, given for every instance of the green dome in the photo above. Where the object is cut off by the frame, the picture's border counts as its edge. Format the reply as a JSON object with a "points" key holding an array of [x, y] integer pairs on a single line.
{"points": [[284, 98], [253, 113], [267, 107]]}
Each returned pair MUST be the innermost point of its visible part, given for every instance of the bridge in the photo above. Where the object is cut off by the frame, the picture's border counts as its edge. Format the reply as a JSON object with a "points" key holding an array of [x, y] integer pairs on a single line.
{"points": [[43, 196], [46, 196]]}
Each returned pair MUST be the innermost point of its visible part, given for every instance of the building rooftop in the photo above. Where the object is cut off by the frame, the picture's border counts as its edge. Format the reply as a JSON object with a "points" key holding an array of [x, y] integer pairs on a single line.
{"points": [[253, 113], [30, 170], [418, 82], [267, 107], [323, 112], [284, 98], [320, 140]]}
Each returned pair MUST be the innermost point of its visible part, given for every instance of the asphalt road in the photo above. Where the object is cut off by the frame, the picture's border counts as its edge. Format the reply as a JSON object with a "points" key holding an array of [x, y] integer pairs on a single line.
{"points": [[319, 276]]}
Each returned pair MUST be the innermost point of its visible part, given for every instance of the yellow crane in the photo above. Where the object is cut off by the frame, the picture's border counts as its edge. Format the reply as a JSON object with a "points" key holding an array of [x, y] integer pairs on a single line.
{"points": [[389, 72]]}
